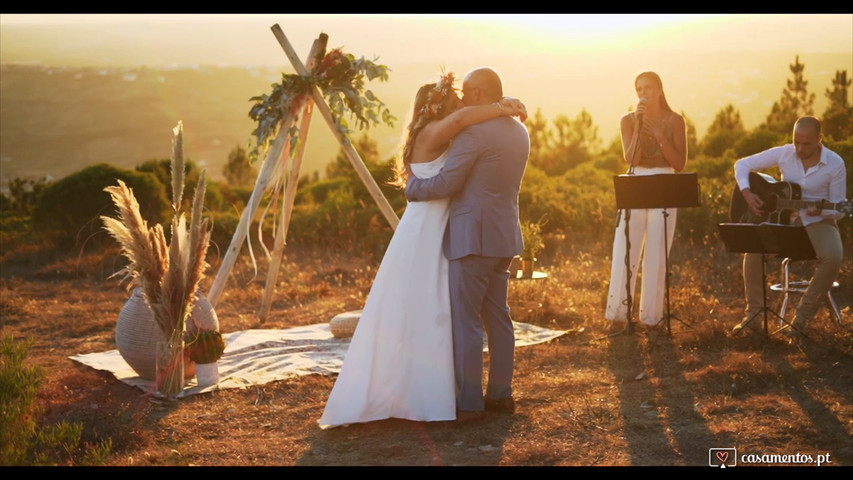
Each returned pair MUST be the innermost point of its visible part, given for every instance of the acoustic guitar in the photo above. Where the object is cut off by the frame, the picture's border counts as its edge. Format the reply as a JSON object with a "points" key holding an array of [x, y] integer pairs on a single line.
{"points": [[780, 200]]}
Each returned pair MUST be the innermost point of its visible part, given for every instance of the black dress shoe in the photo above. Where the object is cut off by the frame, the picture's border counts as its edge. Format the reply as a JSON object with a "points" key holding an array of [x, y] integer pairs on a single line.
{"points": [[500, 405], [468, 416]]}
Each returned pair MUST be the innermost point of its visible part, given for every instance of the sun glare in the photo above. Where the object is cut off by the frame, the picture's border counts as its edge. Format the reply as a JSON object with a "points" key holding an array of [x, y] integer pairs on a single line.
{"points": [[582, 33]]}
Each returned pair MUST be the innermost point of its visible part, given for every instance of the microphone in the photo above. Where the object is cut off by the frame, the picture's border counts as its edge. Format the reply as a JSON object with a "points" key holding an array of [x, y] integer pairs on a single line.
{"points": [[640, 115]]}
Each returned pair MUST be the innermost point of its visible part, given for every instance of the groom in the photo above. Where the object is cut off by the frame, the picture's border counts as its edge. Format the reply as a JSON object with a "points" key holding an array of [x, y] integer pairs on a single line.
{"points": [[482, 177]]}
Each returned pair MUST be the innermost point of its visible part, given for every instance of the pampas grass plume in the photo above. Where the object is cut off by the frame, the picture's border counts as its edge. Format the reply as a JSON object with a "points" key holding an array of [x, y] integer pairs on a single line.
{"points": [[168, 272]]}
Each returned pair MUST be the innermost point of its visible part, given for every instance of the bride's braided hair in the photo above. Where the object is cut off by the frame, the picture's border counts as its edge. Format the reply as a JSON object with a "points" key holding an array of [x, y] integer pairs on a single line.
{"points": [[433, 101]]}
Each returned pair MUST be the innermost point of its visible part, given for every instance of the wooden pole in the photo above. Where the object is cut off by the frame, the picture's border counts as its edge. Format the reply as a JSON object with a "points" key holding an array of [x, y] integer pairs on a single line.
{"points": [[264, 177], [267, 173], [290, 188], [350, 152]]}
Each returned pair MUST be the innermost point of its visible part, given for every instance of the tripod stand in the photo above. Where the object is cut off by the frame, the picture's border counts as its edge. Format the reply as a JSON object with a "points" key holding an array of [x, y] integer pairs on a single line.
{"points": [[766, 238], [668, 190]]}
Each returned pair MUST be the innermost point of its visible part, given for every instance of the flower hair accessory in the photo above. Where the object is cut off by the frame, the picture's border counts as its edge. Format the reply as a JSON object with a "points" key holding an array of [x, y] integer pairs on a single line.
{"points": [[439, 94]]}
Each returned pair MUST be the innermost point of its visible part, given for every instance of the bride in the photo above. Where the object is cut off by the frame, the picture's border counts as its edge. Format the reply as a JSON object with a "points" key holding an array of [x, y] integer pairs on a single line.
{"points": [[399, 363]]}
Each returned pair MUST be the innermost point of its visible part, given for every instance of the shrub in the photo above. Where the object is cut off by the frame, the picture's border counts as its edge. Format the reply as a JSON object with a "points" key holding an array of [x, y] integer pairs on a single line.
{"points": [[70, 209], [22, 440], [162, 170], [758, 140], [23, 195]]}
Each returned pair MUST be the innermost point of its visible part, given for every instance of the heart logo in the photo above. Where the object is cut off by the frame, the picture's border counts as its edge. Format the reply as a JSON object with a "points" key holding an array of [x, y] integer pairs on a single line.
{"points": [[723, 456]]}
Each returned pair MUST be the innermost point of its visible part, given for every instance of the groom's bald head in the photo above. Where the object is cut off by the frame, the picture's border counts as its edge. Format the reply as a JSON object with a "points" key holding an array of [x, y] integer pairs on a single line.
{"points": [[482, 86]]}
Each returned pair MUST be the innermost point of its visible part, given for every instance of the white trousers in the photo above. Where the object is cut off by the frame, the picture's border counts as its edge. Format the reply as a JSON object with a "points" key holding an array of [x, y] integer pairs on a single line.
{"points": [[645, 239]]}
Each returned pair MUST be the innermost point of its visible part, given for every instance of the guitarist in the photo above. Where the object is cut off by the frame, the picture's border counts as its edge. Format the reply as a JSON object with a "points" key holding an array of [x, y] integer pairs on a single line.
{"points": [[822, 176]]}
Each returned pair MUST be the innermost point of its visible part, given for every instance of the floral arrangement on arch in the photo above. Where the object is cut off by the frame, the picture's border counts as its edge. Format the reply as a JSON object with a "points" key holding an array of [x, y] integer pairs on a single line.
{"points": [[341, 78]]}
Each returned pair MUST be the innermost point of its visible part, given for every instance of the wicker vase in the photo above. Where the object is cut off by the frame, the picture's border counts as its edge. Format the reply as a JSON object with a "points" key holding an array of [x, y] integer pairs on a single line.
{"points": [[137, 334]]}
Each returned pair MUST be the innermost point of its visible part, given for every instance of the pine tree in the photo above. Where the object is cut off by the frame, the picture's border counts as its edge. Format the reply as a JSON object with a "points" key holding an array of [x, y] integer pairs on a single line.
{"points": [[726, 128], [796, 101], [239, 171], [837, 122]]}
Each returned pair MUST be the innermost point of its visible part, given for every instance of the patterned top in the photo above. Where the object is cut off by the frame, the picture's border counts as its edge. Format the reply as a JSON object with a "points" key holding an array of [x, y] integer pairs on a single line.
{"points": [[652, 155]]}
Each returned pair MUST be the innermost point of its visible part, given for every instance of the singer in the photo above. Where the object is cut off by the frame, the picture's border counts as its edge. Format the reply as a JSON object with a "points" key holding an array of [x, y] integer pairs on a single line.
{"points": [[654, 141]]}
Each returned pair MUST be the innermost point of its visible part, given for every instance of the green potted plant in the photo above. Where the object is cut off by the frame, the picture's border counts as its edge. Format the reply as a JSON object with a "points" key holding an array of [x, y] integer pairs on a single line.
{"points": [[531, 234], [205, 348]]}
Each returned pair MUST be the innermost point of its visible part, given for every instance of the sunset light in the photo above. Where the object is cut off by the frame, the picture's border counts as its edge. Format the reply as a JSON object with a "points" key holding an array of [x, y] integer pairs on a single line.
{"points": [[559, 64], [433, 239]]}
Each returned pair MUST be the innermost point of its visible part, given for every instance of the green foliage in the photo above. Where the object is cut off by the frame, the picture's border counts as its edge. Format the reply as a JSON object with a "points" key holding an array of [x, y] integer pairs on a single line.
{"points": [[339, 211], [162, 170], [611, 163], [223, 225], [717, 143], [318, 192], [341, 78], [367, 149], [837, 120], [713, 167], [69, 210], [569, 181], [214, 198], [23, 195], [531, 234], [759, 140], [232, 197], [22, 440], [844, 148], [570, 143], [238, 170], [726, 128], [698, 226], [578, 204], [796, 101], [692, 139]]}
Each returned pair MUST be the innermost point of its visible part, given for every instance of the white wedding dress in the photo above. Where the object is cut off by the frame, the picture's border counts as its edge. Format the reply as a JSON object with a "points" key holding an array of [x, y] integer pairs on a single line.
{"points": [[399, 363]]}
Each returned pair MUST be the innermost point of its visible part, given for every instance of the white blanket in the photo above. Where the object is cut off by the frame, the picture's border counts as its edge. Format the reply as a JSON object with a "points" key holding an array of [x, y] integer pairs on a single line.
{"points": [[255, 357]]}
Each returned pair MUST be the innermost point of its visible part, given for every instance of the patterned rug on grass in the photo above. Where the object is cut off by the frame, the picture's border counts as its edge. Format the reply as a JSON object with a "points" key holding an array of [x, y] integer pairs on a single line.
{"points": [[259, 356]]}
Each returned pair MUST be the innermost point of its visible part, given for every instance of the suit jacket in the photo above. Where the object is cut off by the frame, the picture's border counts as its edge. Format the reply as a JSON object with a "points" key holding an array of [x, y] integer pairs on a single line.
{"points": [[482, 176]]}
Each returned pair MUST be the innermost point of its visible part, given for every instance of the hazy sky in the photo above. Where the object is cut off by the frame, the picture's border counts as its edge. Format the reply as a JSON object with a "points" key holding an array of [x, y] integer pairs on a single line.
{"points": [[559, 63], [245, 38]]}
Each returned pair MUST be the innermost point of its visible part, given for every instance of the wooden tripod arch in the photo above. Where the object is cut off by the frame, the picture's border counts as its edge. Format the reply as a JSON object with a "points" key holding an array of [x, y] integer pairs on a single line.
{"points": [[272, 169]]}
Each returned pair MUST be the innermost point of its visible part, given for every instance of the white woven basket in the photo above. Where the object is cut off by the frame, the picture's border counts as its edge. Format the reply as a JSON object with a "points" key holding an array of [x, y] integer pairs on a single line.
{"points": [[137, 333]]}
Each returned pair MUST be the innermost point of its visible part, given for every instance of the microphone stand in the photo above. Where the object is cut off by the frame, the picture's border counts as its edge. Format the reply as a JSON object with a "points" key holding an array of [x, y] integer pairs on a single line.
{"points": [[629, 298]]}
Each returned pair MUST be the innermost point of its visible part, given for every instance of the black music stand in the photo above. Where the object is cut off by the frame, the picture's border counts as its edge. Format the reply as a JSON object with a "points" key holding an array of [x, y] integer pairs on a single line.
{"points": [[665, 190], [790, 241]]}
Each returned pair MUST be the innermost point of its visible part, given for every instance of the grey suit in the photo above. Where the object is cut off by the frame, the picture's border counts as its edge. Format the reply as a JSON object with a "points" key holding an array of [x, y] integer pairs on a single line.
{"points": [[482, 177]]}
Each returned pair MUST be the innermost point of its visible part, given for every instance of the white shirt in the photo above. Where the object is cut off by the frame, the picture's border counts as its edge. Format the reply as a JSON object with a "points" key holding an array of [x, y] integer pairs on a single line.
{"points": [[826, 180]]}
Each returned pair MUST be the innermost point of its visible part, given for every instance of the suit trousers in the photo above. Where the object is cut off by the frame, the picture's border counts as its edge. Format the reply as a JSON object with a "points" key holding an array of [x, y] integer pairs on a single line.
{"points": [[826, 241], [478, 303]]}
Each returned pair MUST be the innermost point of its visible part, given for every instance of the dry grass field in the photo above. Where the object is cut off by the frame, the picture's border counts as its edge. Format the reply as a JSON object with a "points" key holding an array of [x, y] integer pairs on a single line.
{"points": [[584, 399]]}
